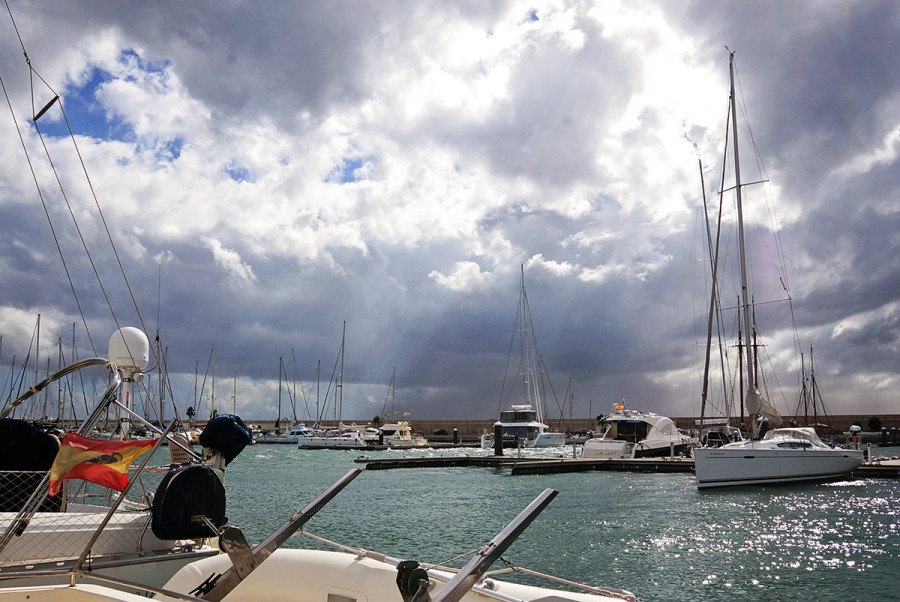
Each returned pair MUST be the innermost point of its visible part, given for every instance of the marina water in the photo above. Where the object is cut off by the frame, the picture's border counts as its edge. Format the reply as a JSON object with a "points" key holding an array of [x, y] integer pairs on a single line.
{"points": [[653, 534]]}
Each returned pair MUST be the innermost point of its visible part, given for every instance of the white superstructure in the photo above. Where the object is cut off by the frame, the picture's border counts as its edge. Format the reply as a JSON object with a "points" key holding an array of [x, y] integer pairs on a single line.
{"points": [[632, 434]]}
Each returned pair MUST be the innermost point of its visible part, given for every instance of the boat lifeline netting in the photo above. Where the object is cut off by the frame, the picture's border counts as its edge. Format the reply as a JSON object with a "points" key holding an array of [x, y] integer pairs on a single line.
{"points": [[64, 525]]}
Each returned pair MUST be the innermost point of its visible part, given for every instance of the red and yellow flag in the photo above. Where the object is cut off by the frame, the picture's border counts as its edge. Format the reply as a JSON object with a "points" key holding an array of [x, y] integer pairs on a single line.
{"points": [[102, 462]]}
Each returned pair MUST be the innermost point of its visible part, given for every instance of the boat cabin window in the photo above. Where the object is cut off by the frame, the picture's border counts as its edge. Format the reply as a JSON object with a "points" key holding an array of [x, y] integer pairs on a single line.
{"points": [[631, 432], [719, 436], [517, 415], [795, 444], [519, 432]]}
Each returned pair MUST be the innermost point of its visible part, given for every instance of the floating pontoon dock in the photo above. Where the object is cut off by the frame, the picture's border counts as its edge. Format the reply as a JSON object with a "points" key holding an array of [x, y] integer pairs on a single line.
{"points": [[888, 468]]}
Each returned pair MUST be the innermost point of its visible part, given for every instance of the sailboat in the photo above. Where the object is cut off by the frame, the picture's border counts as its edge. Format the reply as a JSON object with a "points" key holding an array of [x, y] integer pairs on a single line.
{"points": [[779, 455], [523, 423], [346, 436], [97, 528], [295, 431], [399, 433]]}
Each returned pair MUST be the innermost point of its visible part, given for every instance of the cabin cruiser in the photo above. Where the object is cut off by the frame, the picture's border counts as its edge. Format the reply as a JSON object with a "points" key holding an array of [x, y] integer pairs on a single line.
{"points": [[400, 434], [522, 427], [632, 434]]}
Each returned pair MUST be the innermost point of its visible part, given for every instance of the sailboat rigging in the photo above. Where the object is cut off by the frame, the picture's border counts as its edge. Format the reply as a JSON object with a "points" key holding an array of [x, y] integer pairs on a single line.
{"points": [[523, 423], [346, 435], [394, 432], [782, 454]]}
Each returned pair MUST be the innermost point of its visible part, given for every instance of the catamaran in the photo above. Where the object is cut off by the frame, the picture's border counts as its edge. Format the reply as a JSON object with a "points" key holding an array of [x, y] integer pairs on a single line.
{"points": [[523, 423]]}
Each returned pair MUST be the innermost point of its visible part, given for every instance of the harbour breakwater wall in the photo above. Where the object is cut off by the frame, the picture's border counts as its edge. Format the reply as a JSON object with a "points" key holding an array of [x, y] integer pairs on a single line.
{"points": [[471, 430]]}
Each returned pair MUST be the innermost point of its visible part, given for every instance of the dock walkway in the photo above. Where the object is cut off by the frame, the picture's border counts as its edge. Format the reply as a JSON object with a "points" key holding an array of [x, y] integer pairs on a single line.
{"points": [[532, 466]]}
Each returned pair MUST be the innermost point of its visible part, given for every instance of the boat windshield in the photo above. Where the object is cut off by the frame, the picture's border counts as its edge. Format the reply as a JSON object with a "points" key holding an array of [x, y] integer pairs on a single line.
{"points": [[518, 414], [804, 434], [627, 430], [520, 432], [718, 436]]}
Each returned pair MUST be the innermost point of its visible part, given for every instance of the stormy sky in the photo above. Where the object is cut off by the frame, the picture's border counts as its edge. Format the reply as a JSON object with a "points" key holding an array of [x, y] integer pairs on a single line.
{"points": [[270, 170]]}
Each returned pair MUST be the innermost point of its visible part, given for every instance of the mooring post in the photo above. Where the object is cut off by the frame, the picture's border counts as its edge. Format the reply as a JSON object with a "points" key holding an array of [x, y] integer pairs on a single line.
{"points": [[498, 438]]}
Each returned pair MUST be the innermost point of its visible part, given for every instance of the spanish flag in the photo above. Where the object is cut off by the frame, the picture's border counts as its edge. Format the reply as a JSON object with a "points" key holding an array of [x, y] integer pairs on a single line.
{"points": [[102, 462]]}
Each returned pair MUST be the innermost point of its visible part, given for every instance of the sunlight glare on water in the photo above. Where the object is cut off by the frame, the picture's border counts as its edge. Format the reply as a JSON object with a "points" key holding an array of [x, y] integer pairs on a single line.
{"points": [[653, 534]]}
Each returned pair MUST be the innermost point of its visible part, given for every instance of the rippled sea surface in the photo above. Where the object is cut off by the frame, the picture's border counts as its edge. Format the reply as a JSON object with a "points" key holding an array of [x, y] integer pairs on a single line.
{"points": [[653, 534]]}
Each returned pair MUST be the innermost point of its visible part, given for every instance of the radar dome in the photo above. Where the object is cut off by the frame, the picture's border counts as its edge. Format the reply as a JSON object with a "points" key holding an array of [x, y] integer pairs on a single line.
{"points": [[129, 348]]}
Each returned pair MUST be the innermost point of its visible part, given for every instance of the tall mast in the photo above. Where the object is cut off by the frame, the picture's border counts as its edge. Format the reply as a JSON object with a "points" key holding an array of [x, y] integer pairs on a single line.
{"points": [[37, 350], [59, 395], [196, 397], [745, 295], [159, 374], [212, 397], [278, 418], [532, 391], [71, 385], [340, 386], [294, 387]]}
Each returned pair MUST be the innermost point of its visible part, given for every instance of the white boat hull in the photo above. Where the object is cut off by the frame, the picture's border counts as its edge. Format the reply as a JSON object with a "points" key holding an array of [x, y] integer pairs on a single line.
{"points": [[752, 464], [307, 576], [606, 448], [549, 440], [126, 548], [331, 442], [316, 575], [406, 443]]}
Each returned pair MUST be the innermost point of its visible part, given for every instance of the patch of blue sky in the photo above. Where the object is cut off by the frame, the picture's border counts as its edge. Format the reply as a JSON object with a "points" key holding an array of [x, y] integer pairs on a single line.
{"points": [[170, 150], [352, 170], [130, 57], [85, 115], [239, 173]]}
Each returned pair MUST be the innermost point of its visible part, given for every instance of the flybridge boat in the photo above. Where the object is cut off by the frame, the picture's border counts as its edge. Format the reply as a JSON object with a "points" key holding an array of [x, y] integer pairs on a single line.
{"points": [[400, 434], [783, 455], [523, 423], [631, 434], [88, 526], [521, 427], [265, 572]]}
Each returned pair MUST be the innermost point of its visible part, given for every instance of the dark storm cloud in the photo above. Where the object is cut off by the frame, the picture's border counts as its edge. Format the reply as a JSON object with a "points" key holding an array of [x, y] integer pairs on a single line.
{"points": [[576, 156]]}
